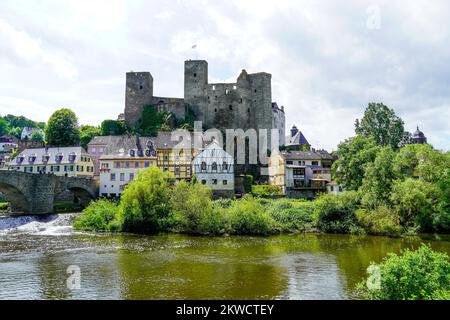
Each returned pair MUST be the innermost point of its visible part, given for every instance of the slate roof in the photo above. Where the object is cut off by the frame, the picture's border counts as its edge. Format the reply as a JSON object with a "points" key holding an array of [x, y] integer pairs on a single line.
{"points": [[307, 155], [38, 154], [298, 139]]}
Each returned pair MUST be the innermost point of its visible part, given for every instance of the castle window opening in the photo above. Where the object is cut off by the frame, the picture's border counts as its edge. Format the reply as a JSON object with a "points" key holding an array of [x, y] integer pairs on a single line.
{"points": [[214, 88], [231, 107], [226, 91], [240, 100], [234, 87], [141, 87], [215, 110], [195, 75]]}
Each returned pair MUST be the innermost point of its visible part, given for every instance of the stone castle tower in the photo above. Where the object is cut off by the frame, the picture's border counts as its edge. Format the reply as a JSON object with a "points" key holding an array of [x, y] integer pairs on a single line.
{"points": [[245, 104]]}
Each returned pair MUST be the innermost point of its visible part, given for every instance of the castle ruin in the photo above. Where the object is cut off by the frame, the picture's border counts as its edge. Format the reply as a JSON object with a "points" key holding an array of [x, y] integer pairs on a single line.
{"points": [[246, 104]]}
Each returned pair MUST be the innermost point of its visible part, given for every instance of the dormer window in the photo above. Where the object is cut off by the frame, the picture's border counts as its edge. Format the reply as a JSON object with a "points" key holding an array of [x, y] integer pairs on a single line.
{"points": [[32, 158], [59, 157], [45, 158], [72, 157], [20, 159], [140, 153], [132, 153]]}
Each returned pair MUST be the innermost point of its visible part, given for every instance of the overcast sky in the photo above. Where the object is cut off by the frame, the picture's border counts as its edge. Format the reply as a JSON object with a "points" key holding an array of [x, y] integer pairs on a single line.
{"points": [[328, 59]]}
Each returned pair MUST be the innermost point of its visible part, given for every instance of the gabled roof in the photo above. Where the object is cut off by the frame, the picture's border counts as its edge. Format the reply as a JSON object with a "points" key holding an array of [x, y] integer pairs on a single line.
{"points": [[298, 139], [39, 153]]}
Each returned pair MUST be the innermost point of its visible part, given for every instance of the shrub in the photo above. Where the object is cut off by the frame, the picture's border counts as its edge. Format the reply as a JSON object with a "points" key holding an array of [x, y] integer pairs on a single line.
{"points": [[248, 182], [192, 205], [414, 275], [248, 217], [101, 215], [145, 203], [4, 206], [381, 221], [337, 214], [266, 191], [291, 215]]}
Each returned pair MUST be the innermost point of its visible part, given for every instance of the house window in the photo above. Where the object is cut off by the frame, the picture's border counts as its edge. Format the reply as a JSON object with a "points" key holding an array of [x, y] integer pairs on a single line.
{"points": [[299, 172], [290, 162], [188, 171], [331, 188], [127, 164], [214, 181], [225, 182], [166, 157], [113, 177], [224, 166], [147, 164], [203, 166], [131, 176], [177, 171], [214, 166], [122, 177], [203, 181], [166, 169], [118, 165], [315, 163], [136, 164]]}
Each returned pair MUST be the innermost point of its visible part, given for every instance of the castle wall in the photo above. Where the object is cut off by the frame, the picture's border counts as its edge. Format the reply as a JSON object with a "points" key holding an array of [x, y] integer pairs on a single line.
{"points": [[139, 92]]}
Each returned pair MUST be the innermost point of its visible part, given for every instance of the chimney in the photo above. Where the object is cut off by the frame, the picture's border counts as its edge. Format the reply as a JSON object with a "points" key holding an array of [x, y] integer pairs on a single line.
{"points": [[294, 131]]}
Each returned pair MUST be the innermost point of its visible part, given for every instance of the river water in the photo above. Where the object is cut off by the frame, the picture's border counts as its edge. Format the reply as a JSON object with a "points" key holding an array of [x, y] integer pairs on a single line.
{"points": [[36, 252]]}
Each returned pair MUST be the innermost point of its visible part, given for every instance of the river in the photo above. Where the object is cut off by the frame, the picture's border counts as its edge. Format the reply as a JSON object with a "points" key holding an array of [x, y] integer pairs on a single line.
{"points": [[36, 252]]}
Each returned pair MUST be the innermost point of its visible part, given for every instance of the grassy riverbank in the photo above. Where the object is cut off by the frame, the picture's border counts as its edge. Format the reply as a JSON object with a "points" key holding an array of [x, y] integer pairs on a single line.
{"points": [[150, 205]]}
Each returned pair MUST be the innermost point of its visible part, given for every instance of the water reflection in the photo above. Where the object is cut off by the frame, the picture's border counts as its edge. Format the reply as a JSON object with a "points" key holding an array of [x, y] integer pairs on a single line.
{"points": [[34, 265]]}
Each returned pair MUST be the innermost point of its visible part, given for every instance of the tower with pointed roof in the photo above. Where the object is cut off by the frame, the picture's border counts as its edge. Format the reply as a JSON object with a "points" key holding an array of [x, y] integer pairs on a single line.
{"points": [[419, 137]]}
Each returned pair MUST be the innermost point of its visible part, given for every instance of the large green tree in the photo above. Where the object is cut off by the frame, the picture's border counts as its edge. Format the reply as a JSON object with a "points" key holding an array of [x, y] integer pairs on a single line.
{"points": [[378, 180], [87, 133], [62, 129], [4, 127], [354, 155], [382, 124], [113, 128], [37, 136], [151, 121]]}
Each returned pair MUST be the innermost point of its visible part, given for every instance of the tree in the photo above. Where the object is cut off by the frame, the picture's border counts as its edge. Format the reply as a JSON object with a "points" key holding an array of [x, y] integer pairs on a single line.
{"points": [[442, 219], [415, 200], [87, 133], [62, 129], [113, 128], [378, 179], [16, 132], [4, 127], [381, 123], [145, 203], [354, 155], [151, 121], [22, 122], [421, 161], [37, 136], [414, 275]]}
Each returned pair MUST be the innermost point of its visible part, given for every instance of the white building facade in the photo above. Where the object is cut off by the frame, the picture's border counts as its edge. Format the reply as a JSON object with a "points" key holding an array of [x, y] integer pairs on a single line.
{"points": [[214, 167], [27, 132]]}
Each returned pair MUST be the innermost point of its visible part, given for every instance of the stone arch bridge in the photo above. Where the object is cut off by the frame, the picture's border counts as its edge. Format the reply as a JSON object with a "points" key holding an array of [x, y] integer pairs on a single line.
{"points": [[30, 193]]}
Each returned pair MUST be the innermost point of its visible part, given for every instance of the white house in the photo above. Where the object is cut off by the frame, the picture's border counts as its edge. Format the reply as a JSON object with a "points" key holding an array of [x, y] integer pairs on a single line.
{"points": [[214, 167], [27, 132]]}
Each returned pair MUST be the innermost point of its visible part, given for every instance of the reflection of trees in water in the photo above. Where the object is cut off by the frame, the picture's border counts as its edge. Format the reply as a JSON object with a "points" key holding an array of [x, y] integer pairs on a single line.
{"points": [[202, 268]]}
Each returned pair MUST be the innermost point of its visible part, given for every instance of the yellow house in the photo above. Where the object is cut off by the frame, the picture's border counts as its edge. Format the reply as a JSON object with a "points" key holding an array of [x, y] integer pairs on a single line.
{"points": [[67, 161]]}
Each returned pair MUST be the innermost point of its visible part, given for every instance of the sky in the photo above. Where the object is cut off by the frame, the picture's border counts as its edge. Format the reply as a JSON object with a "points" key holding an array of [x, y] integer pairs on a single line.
{"points": [[328, 59]]}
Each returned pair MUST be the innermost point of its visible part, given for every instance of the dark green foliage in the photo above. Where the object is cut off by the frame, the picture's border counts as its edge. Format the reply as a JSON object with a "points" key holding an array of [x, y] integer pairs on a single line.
{"points": [[101, 215], [382, 124], [248, 182], [113, 128], [87, 133], [22, 122], [150, 122], [337, 214], [37, 136], [62, 129], [414, 275], [4, 127], [380, 221]]}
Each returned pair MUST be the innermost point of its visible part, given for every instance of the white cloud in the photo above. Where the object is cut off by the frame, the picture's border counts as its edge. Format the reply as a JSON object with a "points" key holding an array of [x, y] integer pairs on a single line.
{"points": [[326, 64]]}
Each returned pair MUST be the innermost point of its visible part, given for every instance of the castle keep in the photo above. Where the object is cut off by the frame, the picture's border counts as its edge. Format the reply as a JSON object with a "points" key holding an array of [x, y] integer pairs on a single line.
{"points": [[246, 104]]}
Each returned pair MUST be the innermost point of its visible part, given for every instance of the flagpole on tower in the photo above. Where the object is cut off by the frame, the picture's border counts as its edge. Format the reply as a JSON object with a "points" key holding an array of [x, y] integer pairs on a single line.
{"points": [[194, 47]]}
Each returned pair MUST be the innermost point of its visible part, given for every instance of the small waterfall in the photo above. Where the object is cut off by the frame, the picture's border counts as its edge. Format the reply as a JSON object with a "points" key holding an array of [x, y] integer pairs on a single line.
{"points": [[52, 225]]}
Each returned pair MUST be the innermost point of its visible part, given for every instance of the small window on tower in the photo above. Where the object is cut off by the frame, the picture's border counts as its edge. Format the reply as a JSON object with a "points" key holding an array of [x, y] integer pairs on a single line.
{"points": [[231, 107], [215, 110], [141, 87], [195, 75]]}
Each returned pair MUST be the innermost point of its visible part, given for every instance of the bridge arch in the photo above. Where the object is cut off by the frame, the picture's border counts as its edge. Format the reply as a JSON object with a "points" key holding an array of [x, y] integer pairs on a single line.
{"points": [[17, 199]]}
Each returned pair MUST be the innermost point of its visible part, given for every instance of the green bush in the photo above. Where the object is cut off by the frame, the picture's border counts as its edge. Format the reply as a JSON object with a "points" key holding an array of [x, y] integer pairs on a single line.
{"points": [[145, 203], [291, 215], [101, 215], [4, 206], [414, 275], [192, 205], [248, 182], [248, 217], [337, 214], [266, 191], [381, 221]]}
